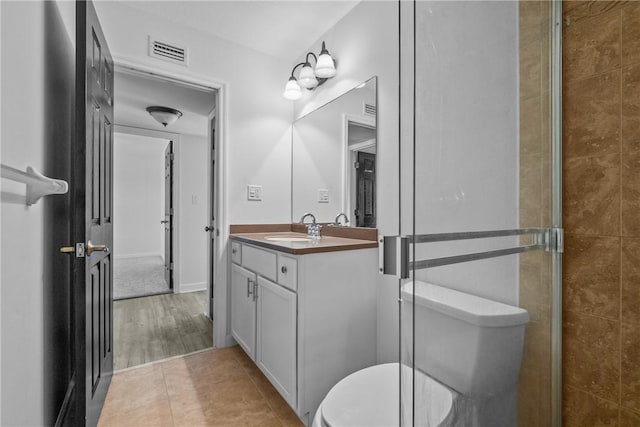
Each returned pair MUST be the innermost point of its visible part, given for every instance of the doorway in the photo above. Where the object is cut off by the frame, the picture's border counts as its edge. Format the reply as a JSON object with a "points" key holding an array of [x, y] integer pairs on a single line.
{"points": [[172, 204], [143, 176]]}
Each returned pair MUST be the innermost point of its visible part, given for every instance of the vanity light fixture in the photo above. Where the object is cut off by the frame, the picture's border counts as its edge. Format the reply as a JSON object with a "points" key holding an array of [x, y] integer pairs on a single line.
{"points": [[164, 115], [308, 77]]}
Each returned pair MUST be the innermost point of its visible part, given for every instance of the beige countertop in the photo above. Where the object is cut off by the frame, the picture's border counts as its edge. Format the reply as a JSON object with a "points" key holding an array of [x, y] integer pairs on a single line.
{"points": [[324, 244]]}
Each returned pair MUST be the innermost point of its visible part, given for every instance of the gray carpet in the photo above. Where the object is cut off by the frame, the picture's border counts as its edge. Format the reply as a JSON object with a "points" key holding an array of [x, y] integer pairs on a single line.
{"points": [[135, 277]]}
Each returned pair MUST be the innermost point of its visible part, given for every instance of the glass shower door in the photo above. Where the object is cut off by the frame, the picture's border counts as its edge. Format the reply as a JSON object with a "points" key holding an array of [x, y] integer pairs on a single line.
{"points": [[479, 260]]}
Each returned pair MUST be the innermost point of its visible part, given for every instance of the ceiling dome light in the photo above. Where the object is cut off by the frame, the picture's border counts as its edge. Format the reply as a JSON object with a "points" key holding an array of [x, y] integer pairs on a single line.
{"points": [[325, 67], [307, 78], [164, 115], [292, 90]]}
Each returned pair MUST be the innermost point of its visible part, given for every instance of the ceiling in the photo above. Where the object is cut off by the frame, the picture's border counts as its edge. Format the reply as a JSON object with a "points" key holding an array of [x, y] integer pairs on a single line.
{"points": [[284, 29], [135, 92]]}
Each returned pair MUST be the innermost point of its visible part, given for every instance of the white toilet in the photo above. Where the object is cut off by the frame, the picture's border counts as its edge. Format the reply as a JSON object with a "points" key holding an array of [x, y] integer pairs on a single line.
{"points": [[468, 353]]}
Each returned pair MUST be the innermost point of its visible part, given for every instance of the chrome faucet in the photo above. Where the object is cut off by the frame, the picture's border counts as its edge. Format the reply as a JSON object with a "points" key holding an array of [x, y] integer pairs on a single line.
{"points": [[337, 221], [313, 229], [313, 218]]}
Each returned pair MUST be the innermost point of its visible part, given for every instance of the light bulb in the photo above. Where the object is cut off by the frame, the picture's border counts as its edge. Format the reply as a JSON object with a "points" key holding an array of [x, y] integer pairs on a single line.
{"points": [[292, 90], [325, 68], [307, 78]]}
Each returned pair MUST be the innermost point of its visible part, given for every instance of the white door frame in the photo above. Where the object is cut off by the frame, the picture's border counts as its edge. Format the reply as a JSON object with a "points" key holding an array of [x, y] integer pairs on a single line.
{"points": [[221, 336]]}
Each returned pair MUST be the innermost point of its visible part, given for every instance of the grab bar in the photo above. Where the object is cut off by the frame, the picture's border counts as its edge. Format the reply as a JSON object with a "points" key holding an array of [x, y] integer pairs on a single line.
{"points": [[38, 185], [395, 253]]}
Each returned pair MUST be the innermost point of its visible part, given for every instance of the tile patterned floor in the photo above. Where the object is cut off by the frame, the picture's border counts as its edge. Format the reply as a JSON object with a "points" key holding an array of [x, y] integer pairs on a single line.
{"points": [[218, 387]]}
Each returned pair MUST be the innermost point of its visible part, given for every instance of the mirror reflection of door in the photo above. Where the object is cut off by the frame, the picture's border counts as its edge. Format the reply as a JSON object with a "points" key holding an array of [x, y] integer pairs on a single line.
{"points": [[361, 145], [365, 212]]}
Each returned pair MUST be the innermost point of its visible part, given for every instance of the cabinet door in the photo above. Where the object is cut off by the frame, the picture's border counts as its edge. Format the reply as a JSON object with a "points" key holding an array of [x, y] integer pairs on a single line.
{"points": [[276, 346], [243, 309]]}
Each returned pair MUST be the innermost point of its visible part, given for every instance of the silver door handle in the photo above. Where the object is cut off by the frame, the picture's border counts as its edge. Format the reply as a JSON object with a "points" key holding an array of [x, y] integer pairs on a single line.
{"points": [[249, 288], [164, 222], [255, 290]]}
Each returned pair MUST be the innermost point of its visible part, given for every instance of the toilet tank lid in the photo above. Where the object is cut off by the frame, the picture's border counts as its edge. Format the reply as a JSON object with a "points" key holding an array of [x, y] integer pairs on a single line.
{"points": [[470, 308]]}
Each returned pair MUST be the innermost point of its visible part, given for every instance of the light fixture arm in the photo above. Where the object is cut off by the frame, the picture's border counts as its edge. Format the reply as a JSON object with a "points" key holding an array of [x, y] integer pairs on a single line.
{"points": [[294, 68], [315, 58]]}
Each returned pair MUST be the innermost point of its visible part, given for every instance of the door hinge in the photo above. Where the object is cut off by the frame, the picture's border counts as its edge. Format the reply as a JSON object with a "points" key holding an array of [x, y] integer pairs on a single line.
{"points": [[171, 211], [356, 165], [554, 240], [171, 156], [171, 266]]}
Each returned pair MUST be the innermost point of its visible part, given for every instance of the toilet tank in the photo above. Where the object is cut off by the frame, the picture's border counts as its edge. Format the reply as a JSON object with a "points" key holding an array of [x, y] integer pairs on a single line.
{"points": [[471, 344]]}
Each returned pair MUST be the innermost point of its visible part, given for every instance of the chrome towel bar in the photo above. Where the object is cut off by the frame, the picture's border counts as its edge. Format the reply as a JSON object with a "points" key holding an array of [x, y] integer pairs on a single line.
{"points": [[395, 253]]}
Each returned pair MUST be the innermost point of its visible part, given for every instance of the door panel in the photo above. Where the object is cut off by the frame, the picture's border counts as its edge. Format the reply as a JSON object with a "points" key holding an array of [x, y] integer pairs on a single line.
{"points": [[92, 201], [212, 210], [276, 337], [243, 309]]}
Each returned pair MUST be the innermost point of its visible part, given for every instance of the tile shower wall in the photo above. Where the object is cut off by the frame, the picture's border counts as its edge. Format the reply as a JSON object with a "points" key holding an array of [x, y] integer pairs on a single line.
{"points": [[534, 385], [601, 193]]}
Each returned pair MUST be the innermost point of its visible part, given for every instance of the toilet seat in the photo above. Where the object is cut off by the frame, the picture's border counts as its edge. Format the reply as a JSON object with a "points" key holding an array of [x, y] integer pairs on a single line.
{"points": [[370, 397]]}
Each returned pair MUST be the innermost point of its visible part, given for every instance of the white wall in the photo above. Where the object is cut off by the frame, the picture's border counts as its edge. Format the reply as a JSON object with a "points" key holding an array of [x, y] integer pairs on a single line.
{"points": [[138, 195], [365, 44], [192, 192], [23, 143], [258, 134]]}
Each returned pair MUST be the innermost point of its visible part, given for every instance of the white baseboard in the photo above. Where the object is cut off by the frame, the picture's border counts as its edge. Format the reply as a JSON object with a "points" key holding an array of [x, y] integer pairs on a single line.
{"points": [[140, 255], [192, 287]]}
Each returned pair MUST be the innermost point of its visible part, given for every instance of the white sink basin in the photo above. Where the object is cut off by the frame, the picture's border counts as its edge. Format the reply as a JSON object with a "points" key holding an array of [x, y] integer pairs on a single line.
{"points": [[287, 239]]}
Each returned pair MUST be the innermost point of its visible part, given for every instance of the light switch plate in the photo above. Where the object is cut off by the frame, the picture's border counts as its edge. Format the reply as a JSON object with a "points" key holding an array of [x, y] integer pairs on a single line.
{"points": [[254, 192], [323, 196]]}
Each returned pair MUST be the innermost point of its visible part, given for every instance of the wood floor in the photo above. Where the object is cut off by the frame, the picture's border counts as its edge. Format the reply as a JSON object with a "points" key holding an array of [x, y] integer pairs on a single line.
{"points": [[161, 326], [217, 387]]}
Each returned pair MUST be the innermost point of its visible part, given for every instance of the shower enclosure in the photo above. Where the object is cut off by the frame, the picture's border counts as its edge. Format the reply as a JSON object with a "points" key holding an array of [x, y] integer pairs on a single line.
{"points": [[480, 204]]}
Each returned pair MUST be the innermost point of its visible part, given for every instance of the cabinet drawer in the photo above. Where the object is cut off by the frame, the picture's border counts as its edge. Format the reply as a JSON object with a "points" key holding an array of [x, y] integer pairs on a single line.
{"points": [[288, 272], [262, 262], [236, 252]]}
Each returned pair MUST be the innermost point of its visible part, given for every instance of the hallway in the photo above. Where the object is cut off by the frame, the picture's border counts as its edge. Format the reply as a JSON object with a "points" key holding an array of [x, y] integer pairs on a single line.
{"points": [[212, 387], [160, 326]]}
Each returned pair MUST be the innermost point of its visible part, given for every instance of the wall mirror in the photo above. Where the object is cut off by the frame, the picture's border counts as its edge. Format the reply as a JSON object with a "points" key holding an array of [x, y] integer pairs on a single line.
{"points": [[334, 159]]}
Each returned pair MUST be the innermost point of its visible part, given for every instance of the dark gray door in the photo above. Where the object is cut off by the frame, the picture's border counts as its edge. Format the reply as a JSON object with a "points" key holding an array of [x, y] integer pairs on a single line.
{"points": [[212, 209], [168, 215], [92, 200], [365, 212]]}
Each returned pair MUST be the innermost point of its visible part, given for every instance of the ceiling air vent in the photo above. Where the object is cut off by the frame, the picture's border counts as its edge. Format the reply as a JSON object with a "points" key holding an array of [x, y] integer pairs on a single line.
{"points": [[168, 51], [370, 109]]}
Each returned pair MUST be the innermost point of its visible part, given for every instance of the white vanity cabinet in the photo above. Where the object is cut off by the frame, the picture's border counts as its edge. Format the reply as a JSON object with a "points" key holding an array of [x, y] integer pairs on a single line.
{"points": [[276, 337], [243, 308], [309, 320]]}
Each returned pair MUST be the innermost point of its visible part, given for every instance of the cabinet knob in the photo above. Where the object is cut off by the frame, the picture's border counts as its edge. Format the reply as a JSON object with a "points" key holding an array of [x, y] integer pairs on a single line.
{"points": [[283, 269]]}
